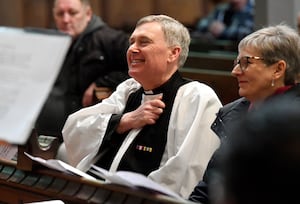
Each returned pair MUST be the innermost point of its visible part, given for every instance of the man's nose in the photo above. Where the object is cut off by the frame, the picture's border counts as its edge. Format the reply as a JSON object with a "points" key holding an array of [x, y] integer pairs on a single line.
{"points": [[133, 48], [66, 17]]}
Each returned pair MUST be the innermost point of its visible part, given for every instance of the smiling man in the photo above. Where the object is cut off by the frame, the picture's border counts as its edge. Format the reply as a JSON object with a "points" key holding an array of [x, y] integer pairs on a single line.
{"points": [[155, 123]]}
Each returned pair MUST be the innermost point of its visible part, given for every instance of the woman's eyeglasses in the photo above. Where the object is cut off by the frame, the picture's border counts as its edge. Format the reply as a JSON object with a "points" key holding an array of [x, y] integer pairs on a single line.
{"points": [[243, 61]]}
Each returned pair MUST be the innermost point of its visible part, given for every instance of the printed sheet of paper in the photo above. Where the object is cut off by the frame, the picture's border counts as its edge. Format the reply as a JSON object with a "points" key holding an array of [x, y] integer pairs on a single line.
{"points": [[29, 64], [8, 152]]}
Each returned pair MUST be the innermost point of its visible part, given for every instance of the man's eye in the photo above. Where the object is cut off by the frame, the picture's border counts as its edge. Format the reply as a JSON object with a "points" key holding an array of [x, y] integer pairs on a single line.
{"points": [[59, 14], [73, 13], [144, 42]]}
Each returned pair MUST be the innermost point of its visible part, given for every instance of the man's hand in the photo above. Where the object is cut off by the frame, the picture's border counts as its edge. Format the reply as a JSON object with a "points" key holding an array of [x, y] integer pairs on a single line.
{"points": [[88, 97], [146, 114], [216, 28]]}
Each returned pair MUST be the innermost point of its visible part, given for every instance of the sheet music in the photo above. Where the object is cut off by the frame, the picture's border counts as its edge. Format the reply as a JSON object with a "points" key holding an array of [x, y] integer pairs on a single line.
{"points": [[29, 65]]}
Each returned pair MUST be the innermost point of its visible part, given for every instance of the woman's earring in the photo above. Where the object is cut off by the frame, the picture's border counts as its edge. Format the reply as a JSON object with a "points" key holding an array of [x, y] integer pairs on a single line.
{"points": [[272, 83]]}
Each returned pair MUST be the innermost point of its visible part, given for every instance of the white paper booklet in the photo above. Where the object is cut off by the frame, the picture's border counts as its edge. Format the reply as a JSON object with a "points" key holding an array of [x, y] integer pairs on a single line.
{"points": [[124, 178], [133, 180], [60, 166]]}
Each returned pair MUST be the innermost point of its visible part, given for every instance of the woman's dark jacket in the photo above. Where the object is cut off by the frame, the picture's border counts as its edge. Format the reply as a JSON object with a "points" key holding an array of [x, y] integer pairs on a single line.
{"points": [[97, 55], [226, 118]]}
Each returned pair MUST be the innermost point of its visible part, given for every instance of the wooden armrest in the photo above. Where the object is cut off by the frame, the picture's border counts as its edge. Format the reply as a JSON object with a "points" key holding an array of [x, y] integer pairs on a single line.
{"points": [[102, 92]]}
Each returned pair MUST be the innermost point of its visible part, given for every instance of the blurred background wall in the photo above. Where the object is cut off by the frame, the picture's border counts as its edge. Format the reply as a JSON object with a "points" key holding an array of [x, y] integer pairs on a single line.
{"points": [[123, 14], [117, 13]]}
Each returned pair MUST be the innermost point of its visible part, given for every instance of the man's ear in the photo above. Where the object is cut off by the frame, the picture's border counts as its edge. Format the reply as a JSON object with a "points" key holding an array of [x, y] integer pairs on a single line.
{"points": [[174, 53], [89, 12]]}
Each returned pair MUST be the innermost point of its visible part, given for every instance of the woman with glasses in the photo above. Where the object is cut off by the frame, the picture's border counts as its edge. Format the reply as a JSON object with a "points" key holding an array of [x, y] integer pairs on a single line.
{"points": [[267, 67]]}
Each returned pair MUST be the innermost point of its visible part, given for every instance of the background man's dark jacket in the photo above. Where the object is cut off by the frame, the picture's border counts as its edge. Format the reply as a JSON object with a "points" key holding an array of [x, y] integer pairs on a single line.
{"points": [[97, 55]]}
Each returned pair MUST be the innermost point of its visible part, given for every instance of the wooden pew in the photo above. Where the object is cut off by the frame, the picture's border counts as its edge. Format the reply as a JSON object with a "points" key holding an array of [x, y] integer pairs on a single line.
{"points": [[217, 60], [213, 67], [26, 181], [202, 44], [225, 85]]}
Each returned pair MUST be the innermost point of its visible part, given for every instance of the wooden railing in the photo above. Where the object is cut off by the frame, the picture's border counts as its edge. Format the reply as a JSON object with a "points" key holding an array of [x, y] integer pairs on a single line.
{"points": [[41, 184], [208, 45], [214, 60]]}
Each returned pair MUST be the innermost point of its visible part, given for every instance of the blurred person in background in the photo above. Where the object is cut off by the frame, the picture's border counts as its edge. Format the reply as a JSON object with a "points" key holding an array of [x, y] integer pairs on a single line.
{"points": [[232, 20], [96, 61]]}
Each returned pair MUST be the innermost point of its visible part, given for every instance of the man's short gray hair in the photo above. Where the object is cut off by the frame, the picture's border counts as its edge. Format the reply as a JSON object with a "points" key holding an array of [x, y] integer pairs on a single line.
{"points": [[175, 33]]}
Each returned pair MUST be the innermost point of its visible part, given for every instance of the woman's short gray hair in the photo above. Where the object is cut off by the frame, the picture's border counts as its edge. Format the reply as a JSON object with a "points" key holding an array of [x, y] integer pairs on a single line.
{"points": [[175, 33], [275, 43]]}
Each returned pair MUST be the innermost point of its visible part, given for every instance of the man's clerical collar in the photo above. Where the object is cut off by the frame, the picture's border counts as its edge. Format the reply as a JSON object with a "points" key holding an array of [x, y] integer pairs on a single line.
{"points": [[168, 85], [149, 92]]}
